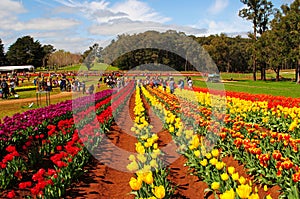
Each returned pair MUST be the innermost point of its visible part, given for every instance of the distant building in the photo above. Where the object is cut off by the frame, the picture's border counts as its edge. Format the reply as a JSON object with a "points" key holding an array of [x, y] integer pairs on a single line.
{"points": [[25, 68]]}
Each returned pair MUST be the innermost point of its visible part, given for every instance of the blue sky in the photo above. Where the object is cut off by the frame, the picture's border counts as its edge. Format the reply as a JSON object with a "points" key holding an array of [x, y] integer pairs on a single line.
{"points": [[74, 25]]}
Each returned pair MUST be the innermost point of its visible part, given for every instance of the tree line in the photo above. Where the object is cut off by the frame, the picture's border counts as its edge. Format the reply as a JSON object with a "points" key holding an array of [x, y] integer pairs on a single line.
{"points": [[27, 51], [273, 44]]}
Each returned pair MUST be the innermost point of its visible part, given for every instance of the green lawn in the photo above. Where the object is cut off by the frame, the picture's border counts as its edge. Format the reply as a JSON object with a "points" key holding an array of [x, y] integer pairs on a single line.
{"points": [[290, 74], [82, 67], [282, 88]]}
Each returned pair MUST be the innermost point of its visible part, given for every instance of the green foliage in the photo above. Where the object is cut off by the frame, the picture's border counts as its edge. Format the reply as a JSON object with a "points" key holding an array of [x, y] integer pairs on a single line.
{"points": [[62, 58], [92, 56], [2, 55], [155, 49], [25, 51]]}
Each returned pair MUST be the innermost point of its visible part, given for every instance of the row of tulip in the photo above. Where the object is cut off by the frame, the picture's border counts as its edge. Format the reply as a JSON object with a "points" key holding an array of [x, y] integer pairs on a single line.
{"points": [[273, 101], [16, 129], [53, 159], [150, 179], [270, 156], [218, 178], [30, 144]]}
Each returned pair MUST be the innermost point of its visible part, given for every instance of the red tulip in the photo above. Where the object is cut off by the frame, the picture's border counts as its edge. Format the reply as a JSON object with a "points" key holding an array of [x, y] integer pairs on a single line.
{"points": [[11, 194]]}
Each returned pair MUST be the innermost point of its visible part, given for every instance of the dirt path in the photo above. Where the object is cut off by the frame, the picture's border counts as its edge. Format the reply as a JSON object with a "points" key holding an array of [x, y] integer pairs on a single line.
{"points": [[28, 100], [108, 177], [13, 106]]}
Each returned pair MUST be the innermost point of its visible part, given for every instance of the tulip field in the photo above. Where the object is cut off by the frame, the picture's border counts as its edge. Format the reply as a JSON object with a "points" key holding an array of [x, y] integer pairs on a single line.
{"points": [[237, 144]]}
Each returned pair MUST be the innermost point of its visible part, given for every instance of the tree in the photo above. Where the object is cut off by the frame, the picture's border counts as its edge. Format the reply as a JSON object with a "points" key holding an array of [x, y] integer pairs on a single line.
{"points": [[289, 21], [62, 58], [47, 50], [25, 51], [91, 55], [258, 12], [2, 55]]}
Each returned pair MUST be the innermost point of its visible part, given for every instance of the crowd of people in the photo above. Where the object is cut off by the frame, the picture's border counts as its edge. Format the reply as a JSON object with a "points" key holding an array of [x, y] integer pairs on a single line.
{"points": [[169, 81], [46, 82], [8, 85]]}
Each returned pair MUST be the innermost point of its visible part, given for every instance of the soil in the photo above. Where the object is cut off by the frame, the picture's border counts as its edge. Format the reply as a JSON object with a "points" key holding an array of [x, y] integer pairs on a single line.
{"points": [[28, 100]]}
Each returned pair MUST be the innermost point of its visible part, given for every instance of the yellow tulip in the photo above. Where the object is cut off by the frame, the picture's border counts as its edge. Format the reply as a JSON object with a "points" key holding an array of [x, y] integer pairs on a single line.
{"points": [[195, 142], [219, 165], [204, 162], [224, 176], [148, 178], [228, 194], [171, 129], [242, 180], [231, 170], [159, 191], [135, 184], [155, 137], [215, 185], [265, 188], [197, 153], [215, 152], [208, 155], [153, 163], [213, 161], [141, 158], [269, 197], [133, 166], [254, 196], [147, 168], [131, 158], [235, 176], [244, 191], [140, 148]]}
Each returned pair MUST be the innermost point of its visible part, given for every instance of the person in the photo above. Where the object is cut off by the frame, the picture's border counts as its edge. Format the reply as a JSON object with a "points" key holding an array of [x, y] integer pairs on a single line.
{"points": [[5, 89], [12, 87], [190, 83], [91, 89], [164, 84], [83, 87], [181, 84], [172, 85]]}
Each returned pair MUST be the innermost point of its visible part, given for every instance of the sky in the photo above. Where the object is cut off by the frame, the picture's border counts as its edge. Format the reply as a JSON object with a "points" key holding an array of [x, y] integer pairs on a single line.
{"points": [[74, 25]]}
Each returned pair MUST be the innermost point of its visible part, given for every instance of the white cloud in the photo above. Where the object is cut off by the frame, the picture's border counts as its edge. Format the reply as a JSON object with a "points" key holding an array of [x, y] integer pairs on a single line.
{"points": [[9, 20], [71, 44], [9, 8], [227, 27], [8, 13], [42, 24], [103, 12], [137, 10], [218, 6], [127, 26], [232, 25]]}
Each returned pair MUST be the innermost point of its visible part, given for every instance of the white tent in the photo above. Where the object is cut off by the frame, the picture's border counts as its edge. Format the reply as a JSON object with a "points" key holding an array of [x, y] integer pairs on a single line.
{"points": [[16, 68]]}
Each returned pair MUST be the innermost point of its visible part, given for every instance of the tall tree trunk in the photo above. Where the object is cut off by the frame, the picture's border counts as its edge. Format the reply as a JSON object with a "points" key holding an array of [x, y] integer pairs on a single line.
{"points": [[298, 72], [277, 74], [254, 55], [254, 69], [263, 71]]}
